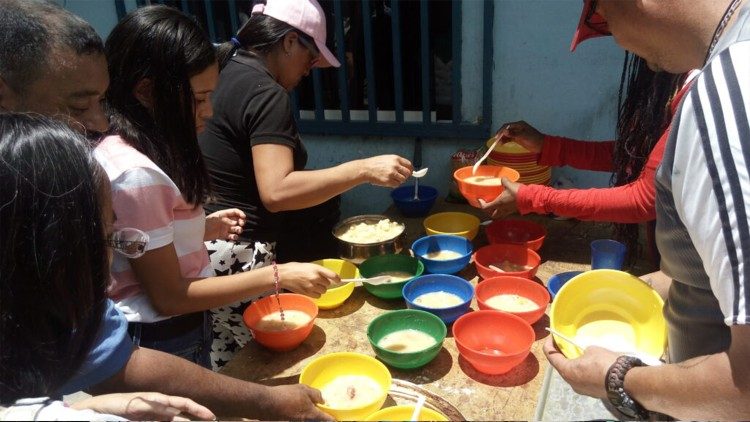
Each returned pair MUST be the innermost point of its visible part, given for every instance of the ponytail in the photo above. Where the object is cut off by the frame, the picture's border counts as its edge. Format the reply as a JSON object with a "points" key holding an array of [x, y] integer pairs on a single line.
{"points": [[226, 51]]}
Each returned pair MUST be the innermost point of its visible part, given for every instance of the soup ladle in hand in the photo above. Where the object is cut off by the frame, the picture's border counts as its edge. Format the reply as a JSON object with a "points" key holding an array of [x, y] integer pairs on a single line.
{"points": [[416, 175]]}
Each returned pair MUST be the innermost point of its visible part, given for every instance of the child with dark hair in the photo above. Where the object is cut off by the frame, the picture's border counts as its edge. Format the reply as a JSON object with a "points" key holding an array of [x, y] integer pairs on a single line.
{"points": [[163, 70], [55, 231]]}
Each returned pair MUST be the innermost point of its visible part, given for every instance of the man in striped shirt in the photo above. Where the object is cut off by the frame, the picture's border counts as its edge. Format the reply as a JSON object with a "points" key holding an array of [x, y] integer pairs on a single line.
{"points": [[703, 205]]}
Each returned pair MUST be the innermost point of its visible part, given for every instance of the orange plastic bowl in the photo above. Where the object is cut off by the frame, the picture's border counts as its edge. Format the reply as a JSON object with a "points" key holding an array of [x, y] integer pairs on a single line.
{"points": [[517, 232], [493, 342], [501, 254], [474, 191], [523, 287], [280, 340]]}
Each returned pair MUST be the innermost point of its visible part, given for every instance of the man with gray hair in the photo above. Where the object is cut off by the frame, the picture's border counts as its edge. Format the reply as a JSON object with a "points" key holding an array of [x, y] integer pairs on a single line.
{"points": [[53, 63]]}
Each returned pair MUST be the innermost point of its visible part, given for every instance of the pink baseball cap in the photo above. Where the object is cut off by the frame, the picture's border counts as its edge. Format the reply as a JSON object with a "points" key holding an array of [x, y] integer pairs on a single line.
{"points": [[590, 25], [305, 15]]}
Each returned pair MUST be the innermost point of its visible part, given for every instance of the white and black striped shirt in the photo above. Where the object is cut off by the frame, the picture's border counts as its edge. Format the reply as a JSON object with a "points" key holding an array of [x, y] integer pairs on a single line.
{"points": [[703, 201]]}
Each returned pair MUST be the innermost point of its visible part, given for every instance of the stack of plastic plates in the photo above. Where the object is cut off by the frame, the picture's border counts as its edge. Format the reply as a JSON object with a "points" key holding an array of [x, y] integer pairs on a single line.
{"points": [[520, 159]]}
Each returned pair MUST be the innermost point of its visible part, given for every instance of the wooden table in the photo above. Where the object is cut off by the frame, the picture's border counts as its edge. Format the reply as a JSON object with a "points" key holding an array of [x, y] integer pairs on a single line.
{"points": [[512, 396]]}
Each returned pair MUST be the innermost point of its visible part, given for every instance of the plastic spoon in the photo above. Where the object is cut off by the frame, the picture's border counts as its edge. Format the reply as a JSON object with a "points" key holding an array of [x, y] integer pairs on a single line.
{"points": [[564, 337], [486, 154], [375, 281], [418, 408], [417, 174]]}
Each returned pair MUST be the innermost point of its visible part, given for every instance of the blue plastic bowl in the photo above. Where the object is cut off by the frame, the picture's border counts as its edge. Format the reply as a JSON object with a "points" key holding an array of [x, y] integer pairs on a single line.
{"points": [[556, 281], [435, 283], [443, 242], [403, 197]]}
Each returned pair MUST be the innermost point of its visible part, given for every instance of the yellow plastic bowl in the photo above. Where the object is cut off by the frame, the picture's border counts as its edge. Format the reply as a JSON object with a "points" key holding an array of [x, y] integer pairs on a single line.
{"points": [[324, 369], [335, 297], [457, 223], [403, 413], [612, 309]]}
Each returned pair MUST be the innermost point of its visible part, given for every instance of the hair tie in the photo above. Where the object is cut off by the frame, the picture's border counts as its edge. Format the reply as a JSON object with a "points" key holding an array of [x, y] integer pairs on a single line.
{"points": [[235, 42]]}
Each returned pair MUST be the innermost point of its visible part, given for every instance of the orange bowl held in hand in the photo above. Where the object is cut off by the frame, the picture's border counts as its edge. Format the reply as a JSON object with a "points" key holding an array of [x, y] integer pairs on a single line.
{"points": [[485, 184]]}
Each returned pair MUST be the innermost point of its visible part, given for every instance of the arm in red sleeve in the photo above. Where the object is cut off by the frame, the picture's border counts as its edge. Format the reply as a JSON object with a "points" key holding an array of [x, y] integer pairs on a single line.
{"points": [[631, 203], [584, 155]]}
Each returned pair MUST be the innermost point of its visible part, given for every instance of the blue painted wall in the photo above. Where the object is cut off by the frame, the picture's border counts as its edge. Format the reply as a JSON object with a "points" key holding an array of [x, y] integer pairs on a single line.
{"points": [[535, 78]]}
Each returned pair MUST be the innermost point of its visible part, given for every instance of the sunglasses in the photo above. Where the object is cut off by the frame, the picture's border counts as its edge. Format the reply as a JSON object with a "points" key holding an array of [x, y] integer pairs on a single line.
{"points": [[595, 21], [129, 242], [310, 47]]}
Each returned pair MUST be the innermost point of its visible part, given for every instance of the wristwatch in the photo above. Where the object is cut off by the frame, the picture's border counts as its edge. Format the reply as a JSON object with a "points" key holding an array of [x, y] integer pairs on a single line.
{"points": [[614, 384]]}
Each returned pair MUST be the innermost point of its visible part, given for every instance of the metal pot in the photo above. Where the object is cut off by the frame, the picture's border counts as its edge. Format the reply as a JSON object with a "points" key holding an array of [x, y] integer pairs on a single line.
{"points": [[356, 253]]}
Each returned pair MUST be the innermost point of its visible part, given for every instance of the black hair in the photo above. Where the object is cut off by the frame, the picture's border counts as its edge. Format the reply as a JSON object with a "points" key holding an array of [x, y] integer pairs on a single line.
{"points": [[31, 30], [54, 265], [261, 34], [643, 115], [168, 47]]}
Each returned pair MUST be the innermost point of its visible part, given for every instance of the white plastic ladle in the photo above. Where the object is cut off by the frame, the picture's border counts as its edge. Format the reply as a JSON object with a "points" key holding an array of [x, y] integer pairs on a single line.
{"points": [[564, 337], [416, 175], [487, 154], [418, 408], [375, 281]]}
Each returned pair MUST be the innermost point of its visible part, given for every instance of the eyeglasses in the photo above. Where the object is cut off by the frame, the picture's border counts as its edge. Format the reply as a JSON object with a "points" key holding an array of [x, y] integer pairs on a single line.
{"points": [[310, 47], [129, 242], [595, 21]]}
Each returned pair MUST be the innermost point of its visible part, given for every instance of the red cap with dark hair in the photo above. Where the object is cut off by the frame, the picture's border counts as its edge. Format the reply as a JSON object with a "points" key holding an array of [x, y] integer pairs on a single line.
{"points": [[590, 25]]}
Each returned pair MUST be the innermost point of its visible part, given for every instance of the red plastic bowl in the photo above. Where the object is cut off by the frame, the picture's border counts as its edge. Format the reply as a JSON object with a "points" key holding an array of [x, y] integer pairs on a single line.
{"points": [[493, 342], [523, 287], [517, 232], [280, 340], [473, 191], [498, 253]]}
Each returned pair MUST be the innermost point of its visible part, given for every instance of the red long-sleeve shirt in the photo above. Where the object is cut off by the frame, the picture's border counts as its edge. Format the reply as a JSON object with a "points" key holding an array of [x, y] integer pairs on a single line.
{"points": [[631, 203]]}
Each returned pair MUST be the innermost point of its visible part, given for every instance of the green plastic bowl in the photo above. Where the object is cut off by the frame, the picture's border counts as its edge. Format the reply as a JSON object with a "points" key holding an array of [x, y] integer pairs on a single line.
{"points": [[402, 320], [379, 264]]}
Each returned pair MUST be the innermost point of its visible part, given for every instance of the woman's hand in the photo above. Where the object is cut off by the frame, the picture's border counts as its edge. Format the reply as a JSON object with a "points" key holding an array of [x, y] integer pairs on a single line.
{"points": [[225, 224], [505, 203], [386, 170], [523, 134], [145, 406], [307, 279]]}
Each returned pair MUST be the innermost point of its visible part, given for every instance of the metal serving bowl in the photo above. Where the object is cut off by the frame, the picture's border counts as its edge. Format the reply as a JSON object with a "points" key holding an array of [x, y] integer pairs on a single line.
{"points": [[356, 253]]}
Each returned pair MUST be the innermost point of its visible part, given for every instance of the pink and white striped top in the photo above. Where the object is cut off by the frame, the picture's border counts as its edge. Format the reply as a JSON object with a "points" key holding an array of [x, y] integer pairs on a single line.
{"points": [[144, 197]]}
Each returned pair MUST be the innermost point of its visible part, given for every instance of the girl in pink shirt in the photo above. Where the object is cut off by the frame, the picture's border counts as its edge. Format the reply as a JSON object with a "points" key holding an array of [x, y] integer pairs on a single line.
{"points": [[163, 69]]}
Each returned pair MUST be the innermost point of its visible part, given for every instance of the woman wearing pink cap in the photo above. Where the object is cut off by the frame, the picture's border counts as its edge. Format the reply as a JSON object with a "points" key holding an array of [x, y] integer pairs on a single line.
{"points": [[256, 159]]}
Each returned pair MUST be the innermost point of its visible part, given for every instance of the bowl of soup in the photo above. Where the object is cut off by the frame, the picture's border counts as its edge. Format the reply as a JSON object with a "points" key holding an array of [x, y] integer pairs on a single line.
{"points": [[506, 260], [493, 342], [401, 269], [516, 295], [446, 296], [363, 236], [611, 309], [336, 296], [353, 385], [485, 184], [406, 338], [443, 253], [283, 328]]}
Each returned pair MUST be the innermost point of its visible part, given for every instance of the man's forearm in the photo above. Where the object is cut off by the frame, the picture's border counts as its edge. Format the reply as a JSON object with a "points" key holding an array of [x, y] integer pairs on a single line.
{"points": [[706, 387], [151, 370]]}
